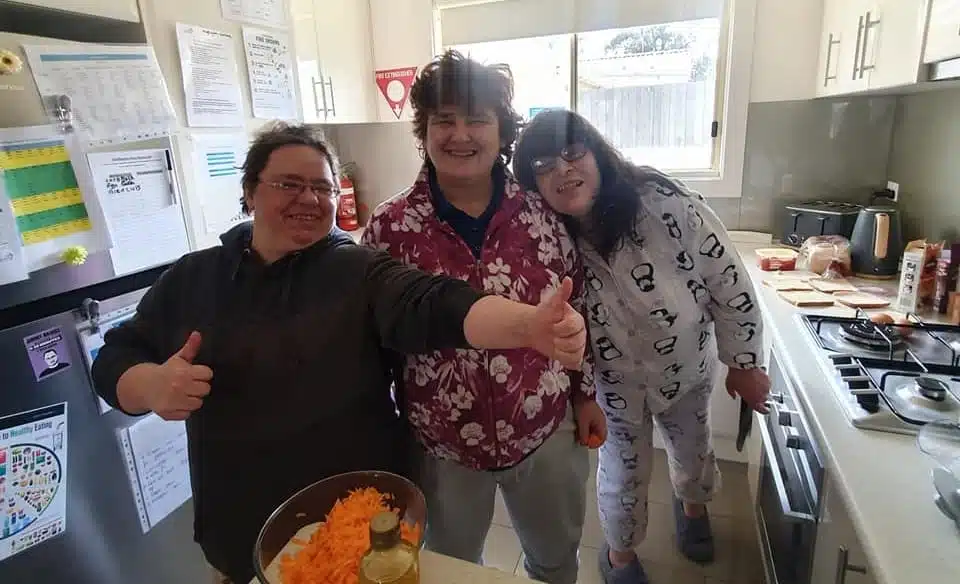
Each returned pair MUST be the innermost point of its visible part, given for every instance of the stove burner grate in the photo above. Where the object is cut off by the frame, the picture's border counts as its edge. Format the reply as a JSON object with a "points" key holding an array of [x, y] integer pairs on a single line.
{"points": [[868, 334]]}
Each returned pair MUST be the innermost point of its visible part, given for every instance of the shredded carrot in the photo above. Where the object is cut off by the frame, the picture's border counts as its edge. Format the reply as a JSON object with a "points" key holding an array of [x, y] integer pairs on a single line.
{"points": [[332, 556]]}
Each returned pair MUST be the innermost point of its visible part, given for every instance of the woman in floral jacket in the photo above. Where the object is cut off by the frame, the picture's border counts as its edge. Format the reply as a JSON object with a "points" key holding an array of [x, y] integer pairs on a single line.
{"points": [[485, 419]]}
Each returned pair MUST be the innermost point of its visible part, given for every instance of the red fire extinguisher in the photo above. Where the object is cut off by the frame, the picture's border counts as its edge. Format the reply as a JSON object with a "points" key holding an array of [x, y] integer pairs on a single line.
{"points": [[347, 206]]}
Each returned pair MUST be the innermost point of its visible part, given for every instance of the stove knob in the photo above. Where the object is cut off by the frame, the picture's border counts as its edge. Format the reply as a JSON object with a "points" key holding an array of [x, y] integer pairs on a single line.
{"points": [[795, 442], [784, 419]]}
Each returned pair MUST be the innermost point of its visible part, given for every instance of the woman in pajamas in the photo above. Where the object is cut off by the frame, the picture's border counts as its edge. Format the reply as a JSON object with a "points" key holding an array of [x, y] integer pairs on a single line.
{"points": [[668, 299]]}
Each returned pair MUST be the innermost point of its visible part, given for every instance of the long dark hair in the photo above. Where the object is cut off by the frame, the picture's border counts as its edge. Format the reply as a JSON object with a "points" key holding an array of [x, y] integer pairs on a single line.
{"points": [[618, 203]]}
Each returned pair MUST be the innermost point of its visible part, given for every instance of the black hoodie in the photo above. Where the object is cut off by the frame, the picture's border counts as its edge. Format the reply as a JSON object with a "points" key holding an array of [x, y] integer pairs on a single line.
{"points": [[301, 380]]}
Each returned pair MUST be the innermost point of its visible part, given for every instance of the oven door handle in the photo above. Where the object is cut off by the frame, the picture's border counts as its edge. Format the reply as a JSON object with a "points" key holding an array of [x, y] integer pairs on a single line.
{"points": [[785, 508]]}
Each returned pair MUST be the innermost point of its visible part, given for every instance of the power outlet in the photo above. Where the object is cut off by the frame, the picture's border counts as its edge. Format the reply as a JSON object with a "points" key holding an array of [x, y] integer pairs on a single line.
{"points": [[894, 187]]}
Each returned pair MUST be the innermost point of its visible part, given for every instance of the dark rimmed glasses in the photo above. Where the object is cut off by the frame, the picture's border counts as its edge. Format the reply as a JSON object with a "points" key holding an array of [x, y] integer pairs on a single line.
{"points": [[545, 164], [295, 188]]}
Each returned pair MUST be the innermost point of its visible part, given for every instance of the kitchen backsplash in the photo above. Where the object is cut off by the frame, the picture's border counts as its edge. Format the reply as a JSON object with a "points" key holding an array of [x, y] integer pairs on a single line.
{"points": [[797, 150], [804, 150], [924, 161]]}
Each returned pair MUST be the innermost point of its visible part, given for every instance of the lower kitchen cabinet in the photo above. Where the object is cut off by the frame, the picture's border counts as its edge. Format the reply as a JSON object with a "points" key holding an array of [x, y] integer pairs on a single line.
{"points": [[838, 557]]}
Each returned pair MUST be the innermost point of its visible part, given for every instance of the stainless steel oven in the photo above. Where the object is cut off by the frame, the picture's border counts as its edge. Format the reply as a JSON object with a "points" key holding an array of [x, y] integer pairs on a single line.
{"points": [[791, 477]]}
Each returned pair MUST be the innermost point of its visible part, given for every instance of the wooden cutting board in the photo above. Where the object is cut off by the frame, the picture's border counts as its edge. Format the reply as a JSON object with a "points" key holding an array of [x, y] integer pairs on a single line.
{"points": [[832, 286], [860, 300], [786, 284], [806, 298]]}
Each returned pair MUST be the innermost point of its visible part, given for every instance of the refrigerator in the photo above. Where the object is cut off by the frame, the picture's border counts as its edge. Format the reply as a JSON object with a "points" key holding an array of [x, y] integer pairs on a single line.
{"points": [[88, 495]]}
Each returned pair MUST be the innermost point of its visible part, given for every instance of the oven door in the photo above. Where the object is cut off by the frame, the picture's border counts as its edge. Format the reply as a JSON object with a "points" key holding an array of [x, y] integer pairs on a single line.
{"points": [[791, 475]]}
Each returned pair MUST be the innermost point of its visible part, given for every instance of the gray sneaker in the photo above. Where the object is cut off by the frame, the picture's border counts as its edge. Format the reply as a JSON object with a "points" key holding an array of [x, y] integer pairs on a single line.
{"points": [[694, 535], [632, 573]]}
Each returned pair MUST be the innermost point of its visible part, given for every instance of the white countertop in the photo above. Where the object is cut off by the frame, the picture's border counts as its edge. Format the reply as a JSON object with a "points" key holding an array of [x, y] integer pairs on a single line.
{"points": [[884, 478]]}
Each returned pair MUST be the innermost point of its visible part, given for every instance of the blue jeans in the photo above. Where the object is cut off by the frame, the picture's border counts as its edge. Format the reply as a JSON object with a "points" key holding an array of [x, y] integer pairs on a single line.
{"points": [[544, 494]]}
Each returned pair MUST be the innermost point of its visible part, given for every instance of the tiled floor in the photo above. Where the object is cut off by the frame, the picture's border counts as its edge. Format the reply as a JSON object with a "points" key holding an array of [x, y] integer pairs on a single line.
{"points": [[738, 560]]}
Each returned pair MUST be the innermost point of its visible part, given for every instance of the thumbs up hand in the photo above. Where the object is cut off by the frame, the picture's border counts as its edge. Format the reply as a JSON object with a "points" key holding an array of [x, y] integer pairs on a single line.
{"points": [[557, 330], [179, 386]]}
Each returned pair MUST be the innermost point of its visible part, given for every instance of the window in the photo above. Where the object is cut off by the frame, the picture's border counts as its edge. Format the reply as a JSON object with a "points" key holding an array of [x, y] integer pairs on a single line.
{"points": [[670, 94], [651, 91], [540, 67]]}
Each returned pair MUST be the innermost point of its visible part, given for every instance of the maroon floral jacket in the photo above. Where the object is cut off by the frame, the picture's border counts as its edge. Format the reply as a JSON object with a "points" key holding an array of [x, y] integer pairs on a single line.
{"points": [[485, 409]]}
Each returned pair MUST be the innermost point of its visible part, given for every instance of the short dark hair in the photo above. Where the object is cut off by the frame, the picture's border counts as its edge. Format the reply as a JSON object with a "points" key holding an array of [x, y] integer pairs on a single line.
{"points": [[277, 135], [614, 214], [453, 79]]}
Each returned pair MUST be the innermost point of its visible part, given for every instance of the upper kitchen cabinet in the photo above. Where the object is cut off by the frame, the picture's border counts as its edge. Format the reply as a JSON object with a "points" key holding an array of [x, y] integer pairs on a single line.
{"points": [[839, 44], [943, 33], [892, 46], [404, 35], [870, 44], [334, 61]]}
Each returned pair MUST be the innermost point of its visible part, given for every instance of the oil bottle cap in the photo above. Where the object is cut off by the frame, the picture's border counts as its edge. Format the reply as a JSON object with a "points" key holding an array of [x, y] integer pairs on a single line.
{"points": [[384, 530]]}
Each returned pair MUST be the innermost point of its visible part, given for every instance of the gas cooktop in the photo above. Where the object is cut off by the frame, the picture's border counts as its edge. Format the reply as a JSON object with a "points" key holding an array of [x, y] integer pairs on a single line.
{"points": [[890, 378]]}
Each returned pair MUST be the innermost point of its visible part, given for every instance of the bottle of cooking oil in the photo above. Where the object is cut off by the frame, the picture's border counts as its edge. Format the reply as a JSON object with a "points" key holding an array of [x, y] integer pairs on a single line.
{"points": [[390, 559]]}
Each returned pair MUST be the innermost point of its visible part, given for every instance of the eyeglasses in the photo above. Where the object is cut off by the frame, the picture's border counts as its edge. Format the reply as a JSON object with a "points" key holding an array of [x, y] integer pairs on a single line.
{"points": [[296, 188], [545, 164]]}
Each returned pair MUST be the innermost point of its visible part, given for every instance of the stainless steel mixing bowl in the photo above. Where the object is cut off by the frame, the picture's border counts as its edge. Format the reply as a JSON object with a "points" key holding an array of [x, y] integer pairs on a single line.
{"points": [[312, 504]]}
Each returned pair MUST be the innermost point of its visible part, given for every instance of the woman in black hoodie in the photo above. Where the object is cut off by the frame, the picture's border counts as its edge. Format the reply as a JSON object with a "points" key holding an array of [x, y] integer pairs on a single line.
{"points": [[274, 346]]}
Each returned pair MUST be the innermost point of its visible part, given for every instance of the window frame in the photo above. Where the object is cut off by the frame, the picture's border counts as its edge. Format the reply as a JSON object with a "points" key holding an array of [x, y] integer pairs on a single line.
{"points": [[732, 97]]}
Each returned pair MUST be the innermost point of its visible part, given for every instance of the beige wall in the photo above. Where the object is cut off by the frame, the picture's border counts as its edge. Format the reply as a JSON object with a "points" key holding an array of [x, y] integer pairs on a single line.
{"points": [[925, 160], [386, 156]]}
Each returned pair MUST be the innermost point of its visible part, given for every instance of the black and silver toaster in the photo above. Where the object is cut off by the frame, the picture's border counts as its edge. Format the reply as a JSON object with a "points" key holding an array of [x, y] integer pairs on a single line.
{"points": [[803, 220]]}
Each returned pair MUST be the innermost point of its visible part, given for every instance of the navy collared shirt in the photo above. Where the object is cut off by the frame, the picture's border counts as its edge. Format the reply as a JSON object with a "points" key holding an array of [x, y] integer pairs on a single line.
{"points": [[471, 229]]}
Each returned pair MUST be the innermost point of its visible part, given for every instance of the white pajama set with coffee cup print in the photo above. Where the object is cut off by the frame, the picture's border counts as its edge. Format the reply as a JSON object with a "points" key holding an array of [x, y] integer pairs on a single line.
{"points": [[672, 301]]}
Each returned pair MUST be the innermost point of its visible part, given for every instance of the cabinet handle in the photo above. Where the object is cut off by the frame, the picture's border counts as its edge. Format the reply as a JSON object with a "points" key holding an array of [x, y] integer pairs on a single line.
{"points": [[827, 77], [781, 489], [316, 100], [856, 48], [323, 93], [333, 101], [868, 24], [844, 566]]}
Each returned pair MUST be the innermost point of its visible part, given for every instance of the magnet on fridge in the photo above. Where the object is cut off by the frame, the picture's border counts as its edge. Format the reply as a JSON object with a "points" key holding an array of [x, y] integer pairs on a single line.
{"points": [[60, 109]]}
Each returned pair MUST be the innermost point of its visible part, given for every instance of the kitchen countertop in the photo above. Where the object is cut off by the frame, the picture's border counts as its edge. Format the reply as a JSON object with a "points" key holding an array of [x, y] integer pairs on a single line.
{"points": [[884, 478], [438, 569]]}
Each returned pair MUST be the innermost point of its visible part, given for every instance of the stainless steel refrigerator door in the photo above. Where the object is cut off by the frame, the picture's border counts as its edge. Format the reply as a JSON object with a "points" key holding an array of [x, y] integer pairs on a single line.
{"points": [[103, 542]]}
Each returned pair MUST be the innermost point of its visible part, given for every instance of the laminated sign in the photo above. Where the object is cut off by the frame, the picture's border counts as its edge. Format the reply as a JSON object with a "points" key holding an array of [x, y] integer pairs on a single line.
{"points": [[395, 85]]}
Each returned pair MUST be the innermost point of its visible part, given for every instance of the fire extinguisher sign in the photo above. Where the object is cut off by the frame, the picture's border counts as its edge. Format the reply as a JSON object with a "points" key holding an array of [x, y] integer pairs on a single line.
{"points": [[395, 85]]}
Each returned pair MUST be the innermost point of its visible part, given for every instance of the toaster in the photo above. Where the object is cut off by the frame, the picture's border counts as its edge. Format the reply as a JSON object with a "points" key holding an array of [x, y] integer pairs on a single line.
{"points": [[803, 220]]}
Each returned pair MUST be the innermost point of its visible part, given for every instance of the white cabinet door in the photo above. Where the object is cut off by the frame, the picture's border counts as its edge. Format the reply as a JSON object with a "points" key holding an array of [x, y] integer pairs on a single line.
{"points": [[943, 32], [890, 52], [346, 86], [403, 36], [308, 59], [835, 35], [838, 556], [840, 45], [870, 44]]}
